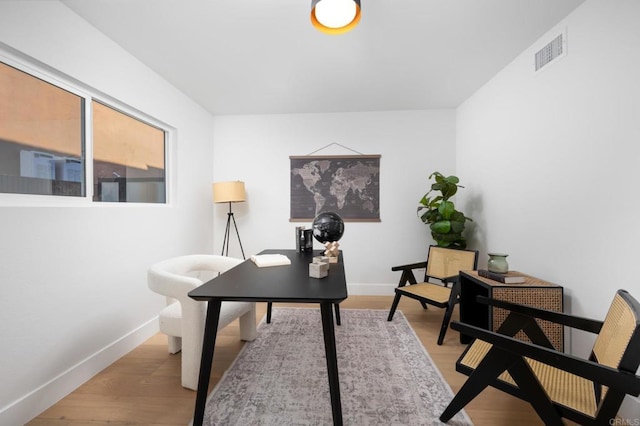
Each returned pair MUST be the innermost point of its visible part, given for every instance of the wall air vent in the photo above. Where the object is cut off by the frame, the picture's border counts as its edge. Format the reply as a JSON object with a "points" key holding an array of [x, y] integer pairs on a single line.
{"points": [[555, 49]]}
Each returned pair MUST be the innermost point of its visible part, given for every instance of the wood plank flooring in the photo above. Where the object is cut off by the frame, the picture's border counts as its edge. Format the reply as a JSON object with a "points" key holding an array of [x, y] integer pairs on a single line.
{"points": [[143, 387]]}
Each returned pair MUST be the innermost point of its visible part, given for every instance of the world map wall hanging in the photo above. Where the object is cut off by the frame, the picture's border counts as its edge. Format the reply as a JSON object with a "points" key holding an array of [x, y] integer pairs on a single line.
{"points": [[345, 184]]}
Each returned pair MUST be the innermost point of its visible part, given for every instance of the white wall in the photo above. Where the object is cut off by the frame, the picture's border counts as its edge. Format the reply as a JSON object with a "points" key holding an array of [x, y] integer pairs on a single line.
{"points": [[256, 150], [553, 159], [73, 292]]}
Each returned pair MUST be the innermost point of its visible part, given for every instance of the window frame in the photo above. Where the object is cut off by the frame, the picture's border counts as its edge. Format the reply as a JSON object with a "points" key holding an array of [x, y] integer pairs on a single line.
{"points": [[143, 118], [89, 95]]}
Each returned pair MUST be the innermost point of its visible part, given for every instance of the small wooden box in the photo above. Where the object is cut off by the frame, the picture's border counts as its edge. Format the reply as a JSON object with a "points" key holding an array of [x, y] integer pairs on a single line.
{"points": [[318, 269]]}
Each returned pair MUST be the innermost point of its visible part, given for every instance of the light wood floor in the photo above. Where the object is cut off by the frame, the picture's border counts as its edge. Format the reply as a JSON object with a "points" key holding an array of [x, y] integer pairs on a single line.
{"points": [[143, 387]]}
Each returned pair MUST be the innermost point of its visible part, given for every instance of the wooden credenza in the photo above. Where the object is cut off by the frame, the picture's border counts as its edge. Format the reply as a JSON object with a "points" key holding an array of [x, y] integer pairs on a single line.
{"points": [[533, 292]]}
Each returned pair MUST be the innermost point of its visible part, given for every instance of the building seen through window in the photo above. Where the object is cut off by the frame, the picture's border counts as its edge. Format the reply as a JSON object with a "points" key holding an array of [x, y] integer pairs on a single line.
{"points": [[128, 158], [41, 136]]}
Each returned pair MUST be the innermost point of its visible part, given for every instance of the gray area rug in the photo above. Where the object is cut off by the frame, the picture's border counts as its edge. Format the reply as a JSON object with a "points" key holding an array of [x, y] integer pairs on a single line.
{"points": [[386, 375]]}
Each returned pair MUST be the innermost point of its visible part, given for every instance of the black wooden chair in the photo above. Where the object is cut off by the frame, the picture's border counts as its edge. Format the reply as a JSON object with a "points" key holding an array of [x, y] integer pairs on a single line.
{"points": [[442, 265], [557, 385]]}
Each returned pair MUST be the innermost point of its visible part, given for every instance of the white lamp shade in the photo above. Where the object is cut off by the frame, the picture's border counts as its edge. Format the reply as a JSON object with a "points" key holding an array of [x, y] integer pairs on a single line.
{"points": [[229, 192]]}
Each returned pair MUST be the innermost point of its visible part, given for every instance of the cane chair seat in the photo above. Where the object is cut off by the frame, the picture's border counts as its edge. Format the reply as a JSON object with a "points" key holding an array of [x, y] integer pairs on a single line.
{"points": [[562, 387], [434, 292]]}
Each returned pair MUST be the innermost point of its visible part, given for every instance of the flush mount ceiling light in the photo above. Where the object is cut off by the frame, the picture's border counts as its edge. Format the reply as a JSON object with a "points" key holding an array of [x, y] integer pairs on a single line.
{"points": [[335, 16]]}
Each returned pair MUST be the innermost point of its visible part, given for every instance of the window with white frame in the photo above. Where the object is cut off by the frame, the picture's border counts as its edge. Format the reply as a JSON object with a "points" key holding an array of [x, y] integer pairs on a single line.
{"points": [[128, 158], [44, 141], [41, 136]]}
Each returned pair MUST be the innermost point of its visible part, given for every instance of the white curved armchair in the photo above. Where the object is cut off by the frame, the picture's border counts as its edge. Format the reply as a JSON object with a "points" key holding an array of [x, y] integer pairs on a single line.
{"points": [[183, 318]]}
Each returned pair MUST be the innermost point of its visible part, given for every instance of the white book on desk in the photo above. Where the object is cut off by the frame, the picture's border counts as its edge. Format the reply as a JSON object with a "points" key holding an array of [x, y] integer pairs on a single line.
{"points": [[266, 260]]}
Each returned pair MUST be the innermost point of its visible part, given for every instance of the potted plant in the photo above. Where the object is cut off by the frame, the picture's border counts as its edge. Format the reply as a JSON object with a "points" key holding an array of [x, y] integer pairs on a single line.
{"points": [[437, 211]]}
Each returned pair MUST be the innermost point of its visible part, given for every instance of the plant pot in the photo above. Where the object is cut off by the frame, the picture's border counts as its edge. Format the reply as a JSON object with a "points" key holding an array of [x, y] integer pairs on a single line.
{"points": [[498, 263]]}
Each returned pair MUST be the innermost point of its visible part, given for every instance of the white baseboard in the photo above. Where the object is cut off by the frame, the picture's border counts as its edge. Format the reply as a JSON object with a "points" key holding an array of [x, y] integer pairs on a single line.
{"points": [[32, 404], [371, 289]]}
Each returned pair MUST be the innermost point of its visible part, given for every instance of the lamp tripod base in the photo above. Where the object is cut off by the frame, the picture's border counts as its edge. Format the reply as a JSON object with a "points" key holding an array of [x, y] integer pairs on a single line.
{"points": [[227, 234]]}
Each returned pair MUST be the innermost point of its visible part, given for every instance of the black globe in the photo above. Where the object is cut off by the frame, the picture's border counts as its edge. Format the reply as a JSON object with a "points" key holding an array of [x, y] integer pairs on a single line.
{"points": [[327, 227]]}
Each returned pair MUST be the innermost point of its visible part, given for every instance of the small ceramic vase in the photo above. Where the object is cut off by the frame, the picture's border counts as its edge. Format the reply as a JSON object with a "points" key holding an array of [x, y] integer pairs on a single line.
{"points": [[498, 263]]}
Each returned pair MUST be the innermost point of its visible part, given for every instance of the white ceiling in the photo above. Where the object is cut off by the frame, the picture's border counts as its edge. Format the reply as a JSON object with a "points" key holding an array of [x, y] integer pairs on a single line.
{"points": [[264, 56]]}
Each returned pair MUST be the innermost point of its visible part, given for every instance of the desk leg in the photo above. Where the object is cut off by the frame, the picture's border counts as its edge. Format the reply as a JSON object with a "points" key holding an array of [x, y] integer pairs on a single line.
{"points": [[332, 361], [208, 345]]}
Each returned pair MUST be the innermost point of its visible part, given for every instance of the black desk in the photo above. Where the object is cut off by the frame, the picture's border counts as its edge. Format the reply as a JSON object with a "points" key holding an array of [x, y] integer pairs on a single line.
{"points": [[290, 283]]}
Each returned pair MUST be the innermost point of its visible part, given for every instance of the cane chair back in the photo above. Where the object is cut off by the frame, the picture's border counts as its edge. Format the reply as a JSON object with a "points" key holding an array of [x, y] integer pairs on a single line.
{"points": [[443, 262]]}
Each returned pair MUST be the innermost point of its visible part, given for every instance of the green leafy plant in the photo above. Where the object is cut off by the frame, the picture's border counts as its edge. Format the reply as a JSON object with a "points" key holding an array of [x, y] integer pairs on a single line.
{"points": [[437, 211]]}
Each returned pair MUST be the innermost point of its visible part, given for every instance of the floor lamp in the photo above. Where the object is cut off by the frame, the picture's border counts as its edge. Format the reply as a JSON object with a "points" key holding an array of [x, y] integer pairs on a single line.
{"points": [[229, 192]]}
